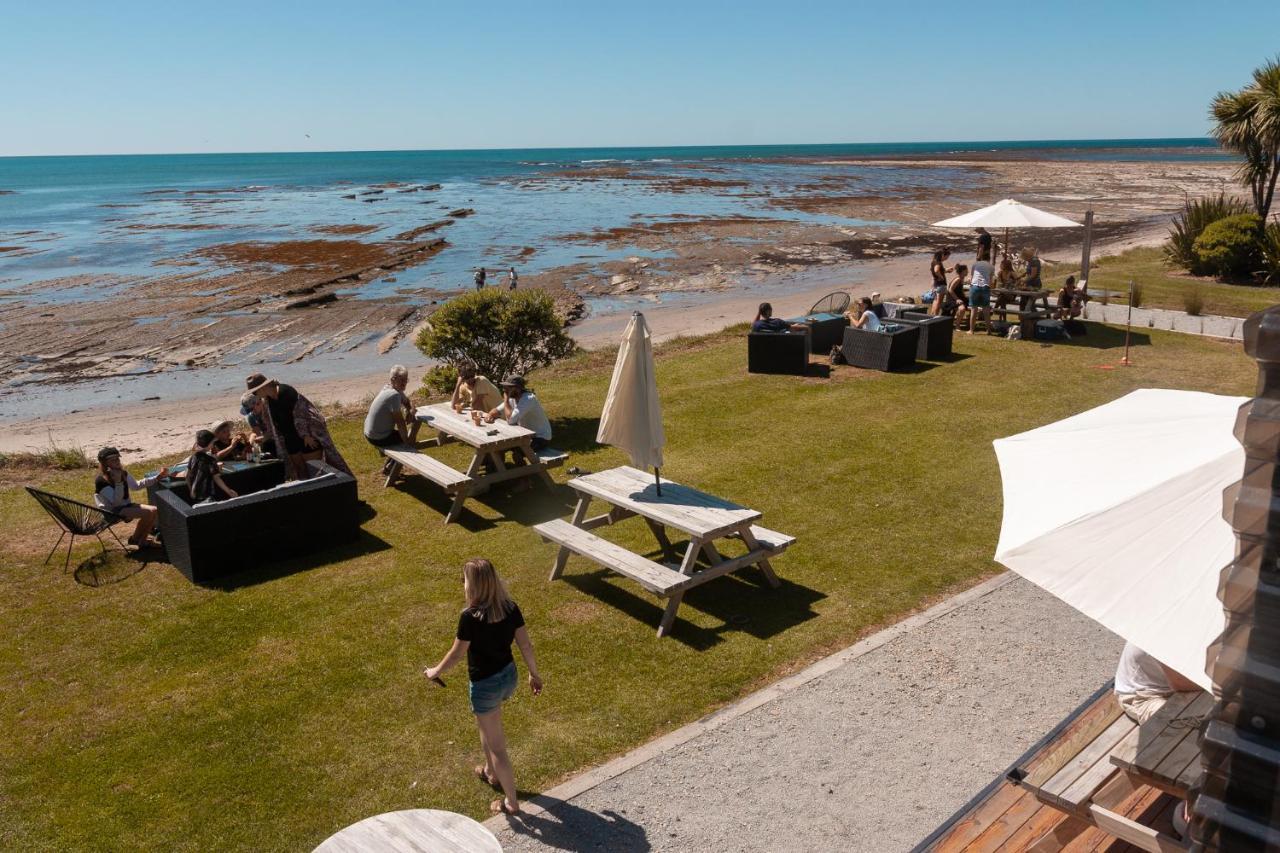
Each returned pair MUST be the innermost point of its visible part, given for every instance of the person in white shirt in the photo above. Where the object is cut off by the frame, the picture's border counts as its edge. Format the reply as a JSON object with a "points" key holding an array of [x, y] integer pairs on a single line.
{"points": [[980, 290], [111, 493], [1143, 684], [521, 407], [865, 318]]}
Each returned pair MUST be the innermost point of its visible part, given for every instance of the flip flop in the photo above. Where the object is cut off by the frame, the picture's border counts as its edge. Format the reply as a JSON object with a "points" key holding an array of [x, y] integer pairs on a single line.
{"points": [[484, 777], [499, 806]]}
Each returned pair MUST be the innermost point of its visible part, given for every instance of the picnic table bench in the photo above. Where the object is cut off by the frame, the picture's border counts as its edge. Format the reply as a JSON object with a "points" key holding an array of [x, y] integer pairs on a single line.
{"points": [[491, 442], [705, 518], [1028, 315], [1081, 777]]}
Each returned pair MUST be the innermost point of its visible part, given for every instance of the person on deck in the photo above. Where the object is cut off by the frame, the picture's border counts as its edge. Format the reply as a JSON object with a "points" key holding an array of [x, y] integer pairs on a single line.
{"points": [[766, 322], [1143, 684], [226, 447], [521, 407], [489, 625], [111, 493], [204, 475], [392, 418], [473, 391], [296, 426]]}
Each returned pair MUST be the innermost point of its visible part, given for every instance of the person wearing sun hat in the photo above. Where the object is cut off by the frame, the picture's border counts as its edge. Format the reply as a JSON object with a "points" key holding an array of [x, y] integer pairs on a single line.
{"points": [[295, 425], [521, 407], [225, 446], [111, 491]]}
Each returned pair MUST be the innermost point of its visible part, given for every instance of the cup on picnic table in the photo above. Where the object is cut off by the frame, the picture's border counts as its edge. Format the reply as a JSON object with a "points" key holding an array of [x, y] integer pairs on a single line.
{"points": [[476, 415]]}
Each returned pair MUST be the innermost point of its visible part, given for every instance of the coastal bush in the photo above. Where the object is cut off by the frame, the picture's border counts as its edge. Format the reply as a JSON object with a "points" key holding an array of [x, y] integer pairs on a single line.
{"points": [[499, 331], [441, 379], [1190, 224], [55, 458], [1230, 248], [1135, 294], [1271, 253], [1193, 300]]}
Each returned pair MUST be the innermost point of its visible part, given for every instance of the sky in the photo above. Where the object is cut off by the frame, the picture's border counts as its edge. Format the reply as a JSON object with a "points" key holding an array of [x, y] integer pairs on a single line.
{"points": [[144, 77]]}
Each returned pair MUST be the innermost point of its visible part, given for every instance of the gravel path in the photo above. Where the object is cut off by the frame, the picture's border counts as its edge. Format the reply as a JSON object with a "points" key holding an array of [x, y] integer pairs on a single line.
{"points": [[871, 754]]}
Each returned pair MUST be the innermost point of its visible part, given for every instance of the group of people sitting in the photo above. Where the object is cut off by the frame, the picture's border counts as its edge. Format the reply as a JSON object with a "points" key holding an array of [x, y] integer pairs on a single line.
{"points": [[282, 423]]}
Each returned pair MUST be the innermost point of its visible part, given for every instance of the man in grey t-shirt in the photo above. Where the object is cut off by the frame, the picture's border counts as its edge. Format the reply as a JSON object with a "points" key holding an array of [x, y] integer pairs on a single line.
{"points": [[391, 419]]}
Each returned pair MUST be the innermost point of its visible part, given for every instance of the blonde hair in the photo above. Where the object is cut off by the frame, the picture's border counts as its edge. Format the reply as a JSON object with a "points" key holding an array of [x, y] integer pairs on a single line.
{"points": [[487, 595]]}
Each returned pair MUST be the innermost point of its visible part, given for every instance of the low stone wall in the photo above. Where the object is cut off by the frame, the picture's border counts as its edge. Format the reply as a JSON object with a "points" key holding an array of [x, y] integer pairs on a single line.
{"points": [[1174, 321]]}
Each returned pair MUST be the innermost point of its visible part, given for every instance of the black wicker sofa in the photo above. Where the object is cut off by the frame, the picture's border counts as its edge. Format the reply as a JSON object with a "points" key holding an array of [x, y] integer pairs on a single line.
{"points": [[936, 334], [212, 539], [778, 352], [881, 350]]}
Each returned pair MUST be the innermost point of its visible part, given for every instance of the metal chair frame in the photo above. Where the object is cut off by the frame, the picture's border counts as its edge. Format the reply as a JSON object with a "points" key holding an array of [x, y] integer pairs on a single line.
{"points": [[77, 519]]}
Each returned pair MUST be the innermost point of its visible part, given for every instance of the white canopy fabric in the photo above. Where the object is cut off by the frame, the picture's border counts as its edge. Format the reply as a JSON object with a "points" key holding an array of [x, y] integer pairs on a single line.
{"points": [[1007, 214], [632, 416], [1118, 512]]}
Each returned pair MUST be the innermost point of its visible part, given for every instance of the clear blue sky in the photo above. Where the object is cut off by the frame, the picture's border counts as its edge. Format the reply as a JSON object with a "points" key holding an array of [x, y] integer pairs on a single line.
{"points": [[97, 77]]}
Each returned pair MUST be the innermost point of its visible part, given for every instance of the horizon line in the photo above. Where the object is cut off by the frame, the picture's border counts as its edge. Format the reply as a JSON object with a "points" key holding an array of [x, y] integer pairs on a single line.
{"points": [[993, 142]]}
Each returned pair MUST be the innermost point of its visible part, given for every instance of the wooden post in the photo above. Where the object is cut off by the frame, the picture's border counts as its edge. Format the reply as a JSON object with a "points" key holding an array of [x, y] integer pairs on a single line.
{"points": [[1088, 246], [1128, 322], [1234, 805]]}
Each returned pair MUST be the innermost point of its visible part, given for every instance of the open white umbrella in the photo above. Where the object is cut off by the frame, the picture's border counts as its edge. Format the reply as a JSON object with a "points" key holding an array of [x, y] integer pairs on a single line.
{"points": [[1118, 512], [1007, 214], [632, 415]]}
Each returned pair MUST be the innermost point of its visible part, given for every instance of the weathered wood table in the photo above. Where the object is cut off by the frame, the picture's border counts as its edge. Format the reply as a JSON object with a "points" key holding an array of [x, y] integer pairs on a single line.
{"points": [[705, 518], [413, 831], [1165, 753], [491, 443]]}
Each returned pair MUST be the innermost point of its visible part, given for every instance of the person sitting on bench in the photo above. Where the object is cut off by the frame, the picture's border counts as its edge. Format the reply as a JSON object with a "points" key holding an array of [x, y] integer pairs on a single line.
{"points": [[392, 418], [521, 407], [1069, 301], [865, 316], [474, 391], [1143, 684], [766, 322], [204, 474]]}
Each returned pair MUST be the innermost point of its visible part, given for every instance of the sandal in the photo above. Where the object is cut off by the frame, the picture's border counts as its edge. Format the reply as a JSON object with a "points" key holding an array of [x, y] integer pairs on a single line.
{"points": [[485, 777], [499, 806]]}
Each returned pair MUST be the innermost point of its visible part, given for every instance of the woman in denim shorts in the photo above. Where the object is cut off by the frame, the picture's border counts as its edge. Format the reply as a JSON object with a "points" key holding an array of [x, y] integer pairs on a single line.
{"points": [[487, 627]]}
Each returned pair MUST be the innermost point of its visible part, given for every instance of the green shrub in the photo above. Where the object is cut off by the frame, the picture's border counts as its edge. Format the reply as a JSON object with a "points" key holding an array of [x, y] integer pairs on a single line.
{"points": [[1271, 253], [1188, 225], [1193, 300], [1135, 294], [441, 379], [55, 458], [499, 331], [1230, 248]]}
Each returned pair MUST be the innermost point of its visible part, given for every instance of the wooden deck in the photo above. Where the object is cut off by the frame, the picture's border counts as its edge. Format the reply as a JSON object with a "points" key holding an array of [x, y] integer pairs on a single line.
{"points": [[1007, 817]]}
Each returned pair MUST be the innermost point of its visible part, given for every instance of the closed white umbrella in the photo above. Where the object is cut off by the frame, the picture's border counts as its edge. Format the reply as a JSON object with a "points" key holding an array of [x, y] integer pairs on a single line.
{"points": [[1007, 214], [1118, 512], [632, 415]]}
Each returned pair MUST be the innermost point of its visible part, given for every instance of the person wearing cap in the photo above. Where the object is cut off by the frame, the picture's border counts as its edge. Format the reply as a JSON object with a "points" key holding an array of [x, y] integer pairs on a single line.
{"points": [[204, 475], [392, 417], [474, 391], [253, 410], [226, 447], [521, 407], [111, 492], [296, 426], [877, 305]]}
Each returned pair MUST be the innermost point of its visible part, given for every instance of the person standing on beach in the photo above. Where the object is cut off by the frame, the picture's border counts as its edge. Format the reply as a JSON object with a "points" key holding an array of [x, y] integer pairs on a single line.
{"points": [[489, 624], [512, 279], [296, 426], [481, 275]]}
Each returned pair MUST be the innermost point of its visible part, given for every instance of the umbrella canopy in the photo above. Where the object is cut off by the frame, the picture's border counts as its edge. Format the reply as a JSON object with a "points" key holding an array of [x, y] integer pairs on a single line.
{"points": [[1007, 214], [1118, 512], [632, 416]]}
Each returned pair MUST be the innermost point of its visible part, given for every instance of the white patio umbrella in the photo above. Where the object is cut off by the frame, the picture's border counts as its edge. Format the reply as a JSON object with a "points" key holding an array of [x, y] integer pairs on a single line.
{"points": [[1118, 512], [632, 415], [1007, 214]]}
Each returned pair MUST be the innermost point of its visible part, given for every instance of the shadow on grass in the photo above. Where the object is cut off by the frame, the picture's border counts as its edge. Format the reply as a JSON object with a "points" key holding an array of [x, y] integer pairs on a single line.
{"points": [[567, 827], [532, 504], [1106, 337], [113, 566], [741, 605], [576, 435], [363, 545]]}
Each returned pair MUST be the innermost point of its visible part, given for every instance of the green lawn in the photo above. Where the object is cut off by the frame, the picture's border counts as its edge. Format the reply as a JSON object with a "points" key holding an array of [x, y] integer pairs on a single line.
{"points": [[1167, 287], [148, 713]]}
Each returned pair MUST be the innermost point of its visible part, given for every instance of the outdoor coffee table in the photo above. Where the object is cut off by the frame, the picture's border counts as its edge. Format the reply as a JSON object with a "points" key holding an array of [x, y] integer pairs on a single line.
{"points": [[1166, 753], [412, 831], [705, 518], [490, 441]]}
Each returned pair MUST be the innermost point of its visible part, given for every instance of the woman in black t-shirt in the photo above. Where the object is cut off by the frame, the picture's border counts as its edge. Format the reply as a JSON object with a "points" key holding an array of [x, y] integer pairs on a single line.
{"points": [[487, 627]]}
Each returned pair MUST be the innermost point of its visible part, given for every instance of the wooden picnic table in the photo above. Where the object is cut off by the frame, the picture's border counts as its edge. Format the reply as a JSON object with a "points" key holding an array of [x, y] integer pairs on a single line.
{"points": [[412, 831], [491, 443], [1013, 294], [1165, 754], [706, 520]]}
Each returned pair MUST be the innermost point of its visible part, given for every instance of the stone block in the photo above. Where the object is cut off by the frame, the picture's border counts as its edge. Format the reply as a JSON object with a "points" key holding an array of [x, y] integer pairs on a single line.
{"points": [[1220, 327], [1188, 323]]}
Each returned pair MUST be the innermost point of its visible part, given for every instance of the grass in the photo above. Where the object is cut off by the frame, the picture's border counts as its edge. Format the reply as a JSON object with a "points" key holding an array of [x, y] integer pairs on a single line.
{"points": [[152, 714], [54, 458], [1163, 286]]}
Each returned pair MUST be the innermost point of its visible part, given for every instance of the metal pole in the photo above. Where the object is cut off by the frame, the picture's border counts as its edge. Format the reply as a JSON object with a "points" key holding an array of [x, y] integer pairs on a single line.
{"points": [[657, 480], [1128, 321]]}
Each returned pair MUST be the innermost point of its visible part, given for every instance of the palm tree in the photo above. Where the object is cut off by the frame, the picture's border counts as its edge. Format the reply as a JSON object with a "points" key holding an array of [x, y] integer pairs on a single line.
{"points": [[1248, 122]]}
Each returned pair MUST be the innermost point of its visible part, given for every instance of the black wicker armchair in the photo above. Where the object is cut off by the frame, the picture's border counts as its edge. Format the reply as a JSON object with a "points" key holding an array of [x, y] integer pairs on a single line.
{"points": [[76, 518], [209, 540], [936, 334], [778, 352], [881, 350]]}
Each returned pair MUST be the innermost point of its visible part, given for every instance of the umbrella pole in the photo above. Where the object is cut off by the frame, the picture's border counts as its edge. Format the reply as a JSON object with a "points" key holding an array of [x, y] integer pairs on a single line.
{"points": [[1128, 321], [657, 481]]}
